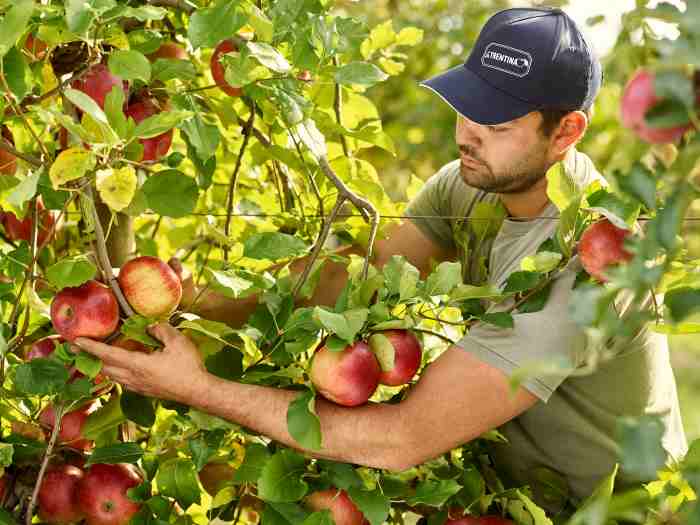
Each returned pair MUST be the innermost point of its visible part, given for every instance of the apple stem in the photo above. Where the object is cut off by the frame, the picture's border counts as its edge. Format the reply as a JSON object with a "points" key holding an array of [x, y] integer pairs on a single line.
{"points": [[103, 257], [58, 415]]}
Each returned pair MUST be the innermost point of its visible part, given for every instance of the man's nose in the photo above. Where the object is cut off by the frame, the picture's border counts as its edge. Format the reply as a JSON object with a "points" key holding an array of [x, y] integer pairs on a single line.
{"points": [[468, 131]]}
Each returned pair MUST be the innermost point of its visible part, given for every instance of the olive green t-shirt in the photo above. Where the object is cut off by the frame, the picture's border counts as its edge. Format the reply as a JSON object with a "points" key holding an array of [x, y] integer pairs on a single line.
{"points": [[571, 433]]}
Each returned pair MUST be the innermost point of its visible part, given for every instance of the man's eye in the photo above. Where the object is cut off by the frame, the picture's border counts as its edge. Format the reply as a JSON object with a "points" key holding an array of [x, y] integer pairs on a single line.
{"points": [[494, 129]]}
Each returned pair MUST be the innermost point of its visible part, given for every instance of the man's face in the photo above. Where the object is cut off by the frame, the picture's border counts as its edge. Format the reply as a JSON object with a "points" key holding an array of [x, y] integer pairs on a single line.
{"points": [[505, 158]]}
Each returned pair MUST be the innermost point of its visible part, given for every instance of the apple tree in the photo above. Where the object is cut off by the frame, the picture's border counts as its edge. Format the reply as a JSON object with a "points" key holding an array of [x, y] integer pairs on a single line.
{"points": [[234, 135]]}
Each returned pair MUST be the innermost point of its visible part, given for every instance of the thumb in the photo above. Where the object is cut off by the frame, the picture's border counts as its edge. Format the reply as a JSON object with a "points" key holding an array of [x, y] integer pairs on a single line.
{"points": [[164, 332], [176, 265]]}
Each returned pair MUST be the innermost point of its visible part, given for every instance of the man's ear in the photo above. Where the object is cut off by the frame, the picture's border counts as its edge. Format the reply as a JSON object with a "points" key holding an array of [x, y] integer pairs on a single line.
{"points": [[570, 130]]}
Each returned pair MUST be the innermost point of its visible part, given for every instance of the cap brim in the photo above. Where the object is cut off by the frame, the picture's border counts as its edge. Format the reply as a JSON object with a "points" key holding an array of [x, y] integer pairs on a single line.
{"points": [[476, 99]]}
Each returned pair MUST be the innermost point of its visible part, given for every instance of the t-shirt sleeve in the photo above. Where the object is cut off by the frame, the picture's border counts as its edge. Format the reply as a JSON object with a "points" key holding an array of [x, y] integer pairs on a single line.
{"points": [[543, 347], [433, 202]]}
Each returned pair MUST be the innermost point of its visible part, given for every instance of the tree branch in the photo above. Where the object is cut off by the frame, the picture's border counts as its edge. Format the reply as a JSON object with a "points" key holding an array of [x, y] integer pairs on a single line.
{"points": [[29, 159], [338, 108], [18, 111], [176, 4]]}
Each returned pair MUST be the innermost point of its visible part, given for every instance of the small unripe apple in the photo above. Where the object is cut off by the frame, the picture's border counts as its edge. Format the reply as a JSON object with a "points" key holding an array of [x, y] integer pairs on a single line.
{"points": [[35, 47], [58, 502], [71, 431], [154, 148], [348, 377], [402, 351], [218, 71], [168, 50], [343, 510], [97, 82], [152, 288], [17, 230], [8, 162], [215, 475], [88, 310], [638, 98], [602, 245], [102, 494]]}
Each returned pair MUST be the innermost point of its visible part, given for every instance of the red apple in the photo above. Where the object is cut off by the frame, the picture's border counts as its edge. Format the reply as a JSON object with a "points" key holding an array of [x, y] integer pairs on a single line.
{"points": [[155, 147], [35, 47], [218, 70], [342, 508], [17, 230], [97, 82], [348, 377], [152, 288], [407, 355], [88, 310], [102, 494], [215, 475], [169, 50], [602, 245], [3, 487], [58, 502], [130, 344], [8, 162], [638, 98], [71, 431], [480, 520]]}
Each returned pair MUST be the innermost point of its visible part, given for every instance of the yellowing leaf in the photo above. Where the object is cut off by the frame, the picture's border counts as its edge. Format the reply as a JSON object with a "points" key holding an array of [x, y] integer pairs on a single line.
{"points": [[381, 37], [117, 186], [561, 188], [391, 67], [409, 36], [71, 164]]}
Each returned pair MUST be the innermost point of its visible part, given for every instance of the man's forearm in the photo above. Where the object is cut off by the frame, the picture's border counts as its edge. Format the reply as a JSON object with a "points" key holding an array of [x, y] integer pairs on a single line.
{"points": [[369, 435]]}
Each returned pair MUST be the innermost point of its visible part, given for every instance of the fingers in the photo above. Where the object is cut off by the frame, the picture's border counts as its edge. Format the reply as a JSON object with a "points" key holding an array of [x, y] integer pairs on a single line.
{"points": [[108, 354], [164, 332]]}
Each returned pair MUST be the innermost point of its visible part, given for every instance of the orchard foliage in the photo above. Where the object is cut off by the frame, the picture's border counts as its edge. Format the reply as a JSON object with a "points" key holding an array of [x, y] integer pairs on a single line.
{"points": [[121, 138]]}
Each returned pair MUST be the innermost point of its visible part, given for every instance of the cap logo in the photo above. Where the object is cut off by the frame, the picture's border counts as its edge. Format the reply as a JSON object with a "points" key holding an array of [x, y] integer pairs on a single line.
{"points": [[504, 58]]}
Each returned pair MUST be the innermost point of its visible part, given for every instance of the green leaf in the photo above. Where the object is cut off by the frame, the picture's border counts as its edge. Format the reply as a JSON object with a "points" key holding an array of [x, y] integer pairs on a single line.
{"points": [[667, 114], [171, 193], [88, 105], [227, 364], [362, 73], [443, 279], [401, 277], [256, 456], [88, 364], [6, 452], [521, 281], [117, 186], [227, 283], [284, 514], [383, 350], [105, 418], [160, 123], [165, 69], [320, 517], [5, 517], [500, 319], [538, 514], [130, 65], [640, 184], [341, 475], [588, 303], [144, 13], [114, 103], [541, 262], [281, 478], [468, 291], [594, 510], [14, 23], [17, 74], [682, 302], [135, 328], [41, 377], [486, 219], [71, 164], [566, 232], [118, 453], [273, 246], [667, 224], [80, 14], [138, 408], [210, 26], [303, 423], [561, 188], [434, 492], [373, 504], [537, 301], [345, 325], [618, 211], [203, 137], [24, 191], [269, 57], [177, 479], [641, 452], [72, 272]]}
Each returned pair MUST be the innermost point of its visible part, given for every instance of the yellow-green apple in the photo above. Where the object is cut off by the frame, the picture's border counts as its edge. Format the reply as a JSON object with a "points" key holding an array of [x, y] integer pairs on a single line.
{"points": [[215, 475], [343, 510], [17, 230], [217, 69], [347, 377], [102, 494], [58, 502], [8, 162], [71, 431], [152, 288], [602, 245], [399, 353], [638, 98], [154, 147], [88, 310], [97, 82], [168, 50]]}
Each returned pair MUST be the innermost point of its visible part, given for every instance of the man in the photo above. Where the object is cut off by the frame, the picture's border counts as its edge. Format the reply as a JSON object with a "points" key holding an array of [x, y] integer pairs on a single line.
{"points": [[523, 100]]}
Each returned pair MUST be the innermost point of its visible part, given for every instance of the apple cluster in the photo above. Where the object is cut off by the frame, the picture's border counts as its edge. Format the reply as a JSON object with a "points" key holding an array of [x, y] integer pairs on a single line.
{"points": [[69, 494], [350, 376]]}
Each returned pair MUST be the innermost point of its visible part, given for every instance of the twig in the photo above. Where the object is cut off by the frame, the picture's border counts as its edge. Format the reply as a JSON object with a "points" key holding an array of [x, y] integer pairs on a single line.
{"points": [[436, 334], [656, 305], [338, 108], [103, 256], [314, 186], [177, 4], [318, 246], [157, 225], [234, 177], [29, 159], [18, 111], [58, 415]]}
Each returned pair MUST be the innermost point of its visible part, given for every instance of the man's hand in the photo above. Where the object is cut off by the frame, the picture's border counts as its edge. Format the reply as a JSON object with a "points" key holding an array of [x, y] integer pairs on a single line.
{"points": [[173, 373]]}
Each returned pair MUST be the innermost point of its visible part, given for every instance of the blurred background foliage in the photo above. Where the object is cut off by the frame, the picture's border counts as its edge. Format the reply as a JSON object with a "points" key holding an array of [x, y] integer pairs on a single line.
{"points": [[422, 126]]}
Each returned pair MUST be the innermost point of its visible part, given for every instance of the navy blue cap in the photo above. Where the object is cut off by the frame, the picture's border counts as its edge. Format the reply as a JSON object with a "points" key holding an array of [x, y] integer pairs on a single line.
{"points": [[524, 59]]}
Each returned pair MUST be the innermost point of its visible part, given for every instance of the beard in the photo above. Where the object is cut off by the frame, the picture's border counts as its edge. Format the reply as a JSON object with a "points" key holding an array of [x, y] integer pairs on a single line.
{"points": [[517, 178]]}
